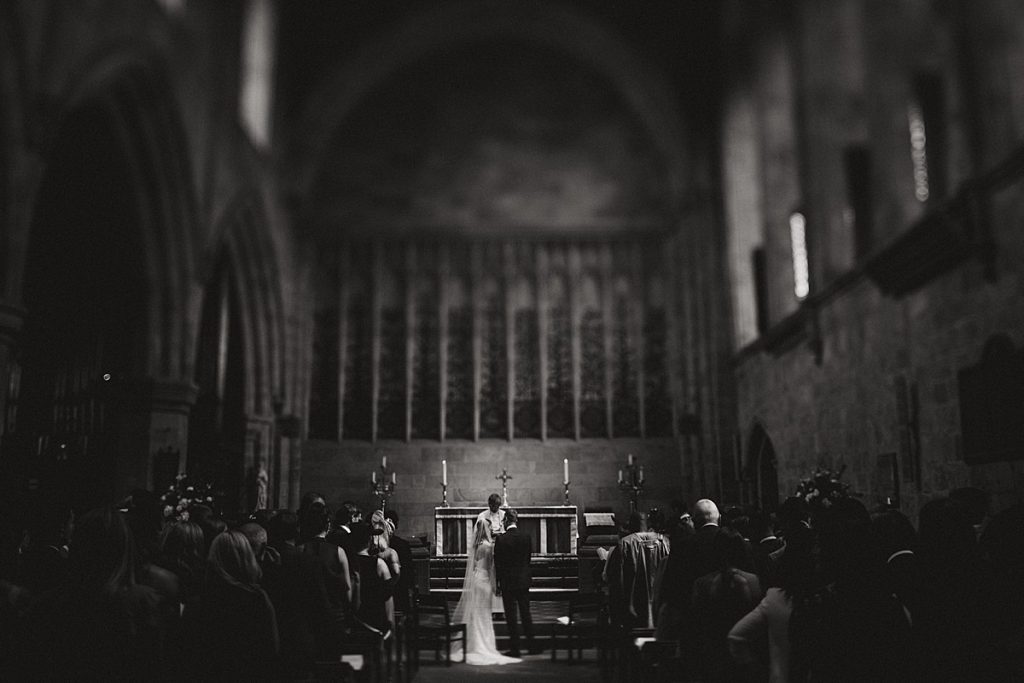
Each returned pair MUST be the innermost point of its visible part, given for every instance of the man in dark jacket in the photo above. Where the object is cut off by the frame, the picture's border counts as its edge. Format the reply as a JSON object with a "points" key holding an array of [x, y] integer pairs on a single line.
{"points": [[295, 585], [512, 565]]}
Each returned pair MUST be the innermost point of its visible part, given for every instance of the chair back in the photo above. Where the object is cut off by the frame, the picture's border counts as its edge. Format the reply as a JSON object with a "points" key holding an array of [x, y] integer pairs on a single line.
{"points": [[433, 610], [586, 608]]}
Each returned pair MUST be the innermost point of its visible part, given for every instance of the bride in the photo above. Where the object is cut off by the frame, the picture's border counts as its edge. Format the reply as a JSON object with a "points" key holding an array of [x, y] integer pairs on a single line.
{"points": [[474, 608]]}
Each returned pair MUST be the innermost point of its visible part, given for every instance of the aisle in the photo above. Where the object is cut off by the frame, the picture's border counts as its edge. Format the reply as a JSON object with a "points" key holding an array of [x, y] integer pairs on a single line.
{"points": [[534, 668]]}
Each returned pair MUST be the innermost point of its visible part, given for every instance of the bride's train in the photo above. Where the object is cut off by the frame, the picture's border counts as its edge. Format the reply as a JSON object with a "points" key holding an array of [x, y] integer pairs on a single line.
{"points": [[474, 608]]}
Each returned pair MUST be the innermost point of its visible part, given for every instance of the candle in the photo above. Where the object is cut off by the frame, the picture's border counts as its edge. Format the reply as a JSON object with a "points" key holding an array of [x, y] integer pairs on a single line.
{"points": [[384, 463], [373, 477], [620, 476], [641, 473], [394, 480], [444, 472], [629, 459], [565, 470]]}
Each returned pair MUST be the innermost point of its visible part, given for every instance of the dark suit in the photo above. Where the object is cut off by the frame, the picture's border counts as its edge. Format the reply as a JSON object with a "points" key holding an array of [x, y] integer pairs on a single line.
{"points": [[764, 566], [305, 623], [512, 565]]}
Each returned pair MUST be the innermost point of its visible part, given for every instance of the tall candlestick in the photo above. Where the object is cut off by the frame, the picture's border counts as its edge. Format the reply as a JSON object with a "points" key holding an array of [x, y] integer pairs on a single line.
{"points": [[444, 472], [565, 470]]}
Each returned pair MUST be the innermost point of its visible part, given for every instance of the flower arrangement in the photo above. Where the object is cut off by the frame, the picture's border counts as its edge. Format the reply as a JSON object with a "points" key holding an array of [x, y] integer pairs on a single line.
{"points": [[182, 494], [823, 488]]}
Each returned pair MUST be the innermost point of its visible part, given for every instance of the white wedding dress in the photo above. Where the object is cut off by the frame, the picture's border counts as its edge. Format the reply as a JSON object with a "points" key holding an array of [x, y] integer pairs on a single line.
{"points": [[474, 609]]}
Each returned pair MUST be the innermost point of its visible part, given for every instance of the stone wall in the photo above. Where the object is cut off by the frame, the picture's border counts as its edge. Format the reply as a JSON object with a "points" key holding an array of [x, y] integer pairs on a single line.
{"points": [[342, 472], [887, 368]]}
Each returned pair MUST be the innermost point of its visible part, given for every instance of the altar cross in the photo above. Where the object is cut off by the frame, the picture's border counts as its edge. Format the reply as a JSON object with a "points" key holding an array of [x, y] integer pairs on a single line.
{"points": [[504, 476]]}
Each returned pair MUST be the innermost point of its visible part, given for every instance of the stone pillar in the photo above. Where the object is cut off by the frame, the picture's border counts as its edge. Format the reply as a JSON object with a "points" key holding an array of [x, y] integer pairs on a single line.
{"points": [[154, 431], [285, 472], [11, 320]]}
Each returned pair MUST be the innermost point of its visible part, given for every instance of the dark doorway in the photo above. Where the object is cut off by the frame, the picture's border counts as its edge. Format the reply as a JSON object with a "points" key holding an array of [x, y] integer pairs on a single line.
{"points": [[216, 448], [761, 469], [86, 299]]}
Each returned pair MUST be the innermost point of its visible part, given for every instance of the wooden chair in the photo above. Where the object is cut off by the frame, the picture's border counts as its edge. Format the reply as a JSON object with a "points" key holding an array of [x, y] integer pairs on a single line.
{"points": [[433, 627], [587, 623]]}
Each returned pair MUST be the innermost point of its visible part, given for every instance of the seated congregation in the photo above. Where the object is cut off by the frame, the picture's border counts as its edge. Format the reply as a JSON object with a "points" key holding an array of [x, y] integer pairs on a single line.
{"points": [[827, 592], [129, 593]]}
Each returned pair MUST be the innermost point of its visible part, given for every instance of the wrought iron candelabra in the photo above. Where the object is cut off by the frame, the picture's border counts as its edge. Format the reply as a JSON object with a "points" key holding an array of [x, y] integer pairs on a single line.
{"points": [[383, 488], [632, 483]]}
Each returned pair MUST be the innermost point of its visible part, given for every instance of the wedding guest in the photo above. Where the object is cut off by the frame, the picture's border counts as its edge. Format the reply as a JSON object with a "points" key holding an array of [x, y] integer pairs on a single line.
{"points": [[898, 540], [100, 623], [181, 547], [333, 559], [233, 628], [407, 579], [181, 552], [763, 543], [770, 619], [42, 556], [295, 585], [631, 571], [346, 515], [380, 543], [720, 599], [309, 498], [376, 607], [208, 520], [966, 600], [850, 627], [144, 513]]}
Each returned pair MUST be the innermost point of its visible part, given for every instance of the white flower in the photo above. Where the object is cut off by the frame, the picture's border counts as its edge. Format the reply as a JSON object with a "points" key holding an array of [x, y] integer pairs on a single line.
{"points": [[184, 516], [168, 511]]}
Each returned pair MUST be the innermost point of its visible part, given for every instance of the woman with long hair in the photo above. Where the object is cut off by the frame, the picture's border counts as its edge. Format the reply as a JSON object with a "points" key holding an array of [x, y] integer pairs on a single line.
{"points": [[720, 599], [474, 608], [181, 553], [233, 628], [380, 543], [100, 623]]}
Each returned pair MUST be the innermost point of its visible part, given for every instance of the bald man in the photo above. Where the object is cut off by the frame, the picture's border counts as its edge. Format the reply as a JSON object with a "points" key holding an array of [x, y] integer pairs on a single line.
{"points": [[705, 513]]}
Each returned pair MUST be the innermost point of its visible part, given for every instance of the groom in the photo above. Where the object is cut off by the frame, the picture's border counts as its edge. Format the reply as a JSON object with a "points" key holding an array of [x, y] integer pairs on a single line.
{"points": [[512, 565]]}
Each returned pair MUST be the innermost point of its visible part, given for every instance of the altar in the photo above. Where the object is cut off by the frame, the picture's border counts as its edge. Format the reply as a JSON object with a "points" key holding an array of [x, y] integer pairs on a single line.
{"points": [[553, 528]]}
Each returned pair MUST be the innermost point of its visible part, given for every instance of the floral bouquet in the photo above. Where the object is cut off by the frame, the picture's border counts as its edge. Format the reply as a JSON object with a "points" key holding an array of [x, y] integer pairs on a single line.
{"points": [[182, 494], [823, 488]]}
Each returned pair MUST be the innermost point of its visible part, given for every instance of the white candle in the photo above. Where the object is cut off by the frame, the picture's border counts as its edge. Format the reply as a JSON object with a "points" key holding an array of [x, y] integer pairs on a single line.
{"points": [[629, 459], [565, 470], [444, 472], [394, 480], [373, 476], [384, 463], [641, 473], [620, 476]]}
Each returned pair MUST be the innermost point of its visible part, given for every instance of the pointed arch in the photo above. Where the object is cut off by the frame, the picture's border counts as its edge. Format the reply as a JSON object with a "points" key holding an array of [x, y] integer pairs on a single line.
{"points": [[762, 468]]}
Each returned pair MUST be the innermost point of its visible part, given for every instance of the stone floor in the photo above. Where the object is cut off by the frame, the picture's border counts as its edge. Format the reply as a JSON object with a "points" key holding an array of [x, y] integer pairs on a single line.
{"points": [[533, 668]]}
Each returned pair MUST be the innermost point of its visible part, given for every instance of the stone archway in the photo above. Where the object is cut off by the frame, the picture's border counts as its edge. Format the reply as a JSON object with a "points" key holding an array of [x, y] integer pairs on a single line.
{"points": [[102, 266], [762, 472]]}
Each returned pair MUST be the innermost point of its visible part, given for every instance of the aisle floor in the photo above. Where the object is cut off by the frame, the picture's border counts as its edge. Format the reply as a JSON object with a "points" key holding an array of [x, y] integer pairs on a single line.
{"points": [[533, 668]]}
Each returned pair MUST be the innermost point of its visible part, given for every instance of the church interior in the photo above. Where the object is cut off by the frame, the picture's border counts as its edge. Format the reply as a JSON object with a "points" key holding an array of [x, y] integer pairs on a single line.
{"points": [[589, 253]]}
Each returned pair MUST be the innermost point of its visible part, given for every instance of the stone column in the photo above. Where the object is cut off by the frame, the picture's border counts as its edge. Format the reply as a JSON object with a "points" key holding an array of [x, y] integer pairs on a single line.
{"points": [[154, 431], [11, 320]]}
